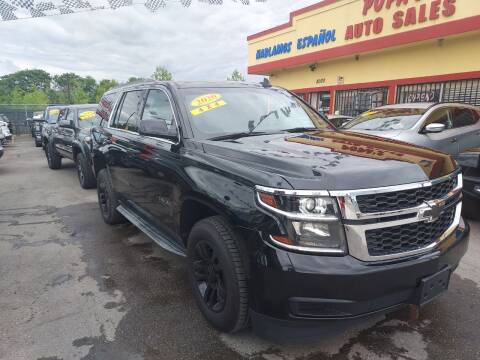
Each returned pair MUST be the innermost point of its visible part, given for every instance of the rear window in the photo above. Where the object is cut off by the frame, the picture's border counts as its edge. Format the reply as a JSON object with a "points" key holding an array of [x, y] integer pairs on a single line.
{"points": [[51, 115], [386, 119], [87, 117], [105, 107]]}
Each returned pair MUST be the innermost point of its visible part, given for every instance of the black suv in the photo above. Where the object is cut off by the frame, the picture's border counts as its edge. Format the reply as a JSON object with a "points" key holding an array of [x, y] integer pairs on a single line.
{"points": [[282, 218], [50, 117], [70, 138], [37, 125]]}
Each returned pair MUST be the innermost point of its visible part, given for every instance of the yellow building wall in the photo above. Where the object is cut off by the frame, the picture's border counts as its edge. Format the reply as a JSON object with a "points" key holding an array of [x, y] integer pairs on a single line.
{"points": [[450, 56], [342, 13]]}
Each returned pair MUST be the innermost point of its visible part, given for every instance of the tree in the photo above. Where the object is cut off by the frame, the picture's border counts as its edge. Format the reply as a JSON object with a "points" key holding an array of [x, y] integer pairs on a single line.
{"points": [[67, 83], [103, 87], [134, 79], [27, 80], [16, 96], [161, 73], [89, 86], [80, 96], [236, 76], [36, 97]]}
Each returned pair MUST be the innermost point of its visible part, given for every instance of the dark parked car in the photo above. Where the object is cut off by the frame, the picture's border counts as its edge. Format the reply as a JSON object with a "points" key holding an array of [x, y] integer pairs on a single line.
{"points": [[470, 163], [3, 138], [37, 125], [70, 138], [282, 219], [50, 117], [451, 128]]}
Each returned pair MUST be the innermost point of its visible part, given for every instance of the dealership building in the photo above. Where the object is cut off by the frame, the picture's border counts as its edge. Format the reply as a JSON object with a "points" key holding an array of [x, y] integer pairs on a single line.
{"points": [[348, 56]]}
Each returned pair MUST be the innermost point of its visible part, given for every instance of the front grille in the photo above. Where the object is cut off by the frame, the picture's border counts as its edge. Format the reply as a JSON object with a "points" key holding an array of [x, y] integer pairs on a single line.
{"points": [[408, 237], [404, 199]]}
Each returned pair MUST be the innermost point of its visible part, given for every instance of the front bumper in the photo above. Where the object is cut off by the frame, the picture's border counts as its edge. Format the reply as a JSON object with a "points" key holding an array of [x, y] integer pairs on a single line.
{"points": [[293, 287]]}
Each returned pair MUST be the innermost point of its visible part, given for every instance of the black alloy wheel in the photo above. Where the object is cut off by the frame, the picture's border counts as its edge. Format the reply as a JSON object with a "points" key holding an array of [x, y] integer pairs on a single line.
{"points": [[103, 199], [81, 176], [86, 177], [209, 276], [107, 200]]}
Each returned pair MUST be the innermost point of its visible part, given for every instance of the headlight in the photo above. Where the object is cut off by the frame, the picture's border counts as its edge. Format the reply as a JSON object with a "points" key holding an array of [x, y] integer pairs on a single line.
{"points": [[311, 220]]}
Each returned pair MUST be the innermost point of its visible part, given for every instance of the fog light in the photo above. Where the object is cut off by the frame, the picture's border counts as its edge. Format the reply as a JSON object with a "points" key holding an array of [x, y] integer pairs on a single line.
{"points": [[315, 229], [318, 235]]}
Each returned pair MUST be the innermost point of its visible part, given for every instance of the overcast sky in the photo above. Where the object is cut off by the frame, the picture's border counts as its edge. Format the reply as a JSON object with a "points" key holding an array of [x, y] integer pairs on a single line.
{"points": [[203, 42]]}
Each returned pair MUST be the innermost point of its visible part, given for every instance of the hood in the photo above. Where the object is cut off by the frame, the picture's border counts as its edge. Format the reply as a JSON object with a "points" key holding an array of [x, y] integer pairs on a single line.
{"points": [[335, 160]]}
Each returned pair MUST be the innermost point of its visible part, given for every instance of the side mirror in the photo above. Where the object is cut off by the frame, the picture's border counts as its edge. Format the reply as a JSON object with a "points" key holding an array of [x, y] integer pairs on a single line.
{"points": [[156, 128], [434, 128], [66, 124]]}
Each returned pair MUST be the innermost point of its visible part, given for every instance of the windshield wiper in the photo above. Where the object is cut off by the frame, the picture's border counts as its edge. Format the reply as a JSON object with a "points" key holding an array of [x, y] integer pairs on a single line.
{"points": [[251, 125], [301, 129], [238, 135]]}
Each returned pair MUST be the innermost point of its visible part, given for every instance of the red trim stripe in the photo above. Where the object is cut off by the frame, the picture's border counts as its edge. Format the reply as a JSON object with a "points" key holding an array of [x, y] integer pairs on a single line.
{"points": [[407, 37], [394, 83]]}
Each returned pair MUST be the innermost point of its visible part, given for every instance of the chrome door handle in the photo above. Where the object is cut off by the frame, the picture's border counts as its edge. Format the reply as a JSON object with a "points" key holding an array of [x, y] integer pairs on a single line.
{"points": [[453, 141]]}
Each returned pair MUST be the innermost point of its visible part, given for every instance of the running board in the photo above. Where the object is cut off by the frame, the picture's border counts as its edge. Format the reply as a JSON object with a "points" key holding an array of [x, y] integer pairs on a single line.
{"points": [[159, 238]]}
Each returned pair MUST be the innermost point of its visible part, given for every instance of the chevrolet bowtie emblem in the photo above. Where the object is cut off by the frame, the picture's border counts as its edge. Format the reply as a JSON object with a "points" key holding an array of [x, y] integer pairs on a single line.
{"points": [[435, 210]]}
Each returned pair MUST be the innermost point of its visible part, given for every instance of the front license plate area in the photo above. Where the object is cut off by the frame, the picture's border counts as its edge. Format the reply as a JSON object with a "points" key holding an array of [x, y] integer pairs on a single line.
{"points": [[434, 285]]}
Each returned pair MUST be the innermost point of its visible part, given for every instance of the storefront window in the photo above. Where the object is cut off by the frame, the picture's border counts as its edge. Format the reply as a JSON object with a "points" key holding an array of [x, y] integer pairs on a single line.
{"points": [[419, 93], [355, 102], [320, 101], [463, 91]]}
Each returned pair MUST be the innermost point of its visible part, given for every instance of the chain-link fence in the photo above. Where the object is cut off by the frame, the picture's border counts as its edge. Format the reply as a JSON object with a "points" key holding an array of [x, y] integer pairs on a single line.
{"points": [[19, 116]]}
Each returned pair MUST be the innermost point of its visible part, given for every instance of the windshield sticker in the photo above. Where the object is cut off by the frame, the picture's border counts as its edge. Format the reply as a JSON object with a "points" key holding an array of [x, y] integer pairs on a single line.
{"points": [[202, 109], [86, 115], [205, 99], [54, 112]]}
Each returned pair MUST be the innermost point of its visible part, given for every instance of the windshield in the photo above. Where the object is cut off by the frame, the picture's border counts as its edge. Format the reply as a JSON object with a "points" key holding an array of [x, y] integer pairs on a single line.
{"points": [[386, 119], [51, 115], [216, 112], [87, 118]]}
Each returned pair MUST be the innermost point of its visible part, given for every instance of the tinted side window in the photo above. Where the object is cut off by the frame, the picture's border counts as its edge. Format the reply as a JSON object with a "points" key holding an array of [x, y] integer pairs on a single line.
{"points": [[51, 115], [463, 117], [127, 116], [62, 115], [441, 116], [71, 115], [105, 108], [158, 108]]}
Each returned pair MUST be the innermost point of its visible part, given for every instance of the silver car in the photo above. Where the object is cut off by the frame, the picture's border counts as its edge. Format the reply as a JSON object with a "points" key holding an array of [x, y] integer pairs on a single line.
{"points": [[3, 139], [451, 128]]}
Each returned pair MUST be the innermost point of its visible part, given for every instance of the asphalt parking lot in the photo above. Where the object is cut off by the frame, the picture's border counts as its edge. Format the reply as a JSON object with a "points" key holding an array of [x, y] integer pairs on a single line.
{"points": [[72, 287]]}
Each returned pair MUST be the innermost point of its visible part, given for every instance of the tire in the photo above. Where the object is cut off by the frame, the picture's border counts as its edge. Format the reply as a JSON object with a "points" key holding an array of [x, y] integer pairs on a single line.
{"points": [[86, 177], [107, 200], [38, 144], [217, 274], [53, 158]]}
